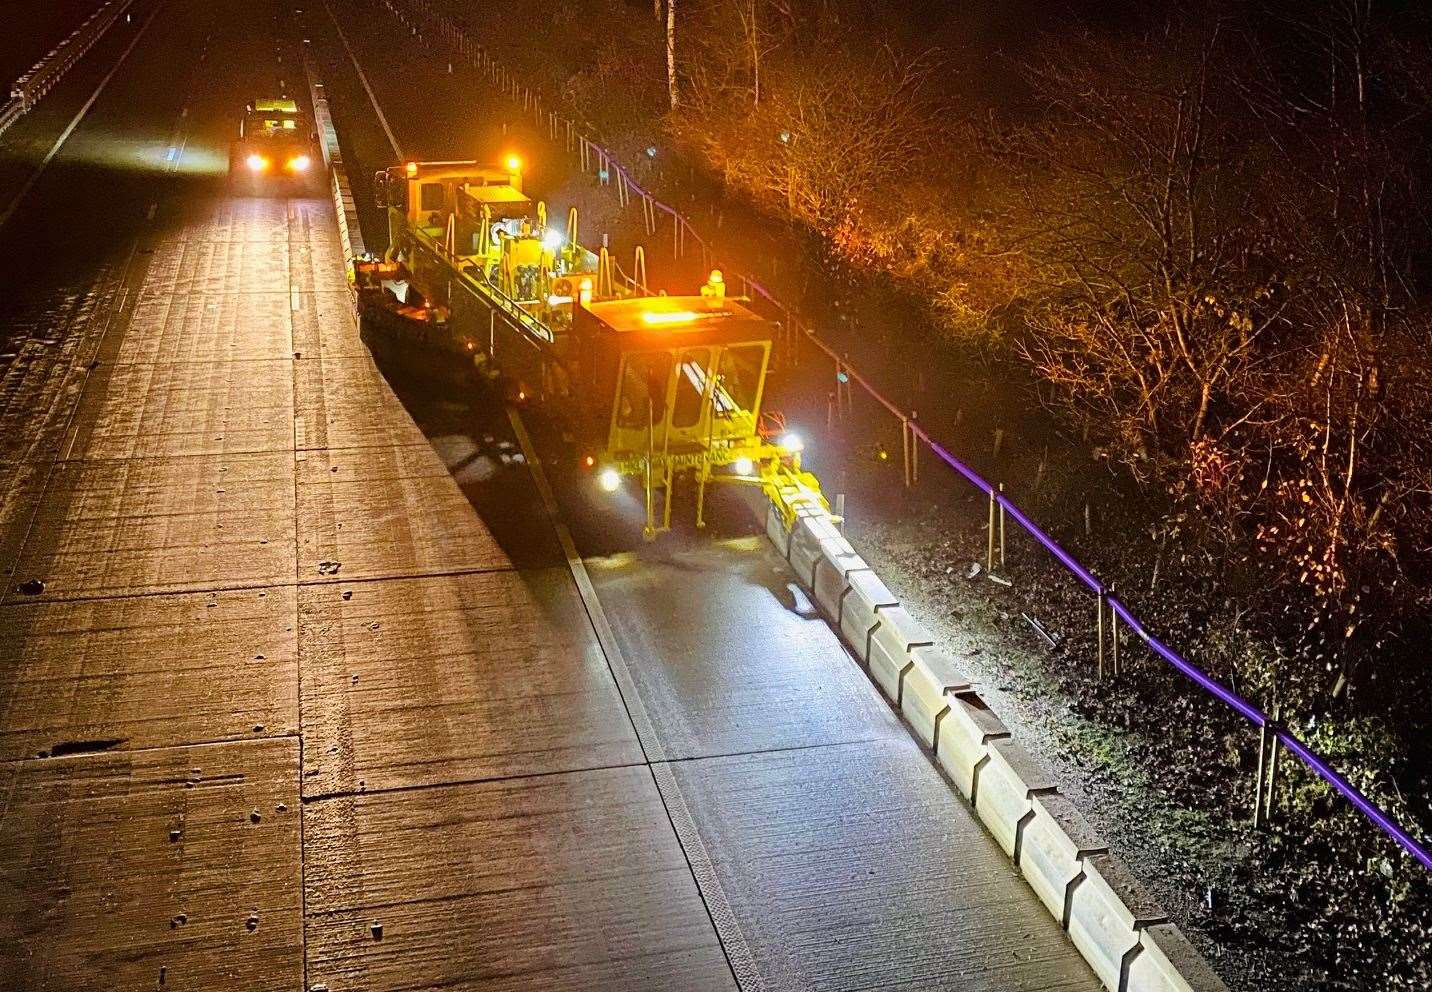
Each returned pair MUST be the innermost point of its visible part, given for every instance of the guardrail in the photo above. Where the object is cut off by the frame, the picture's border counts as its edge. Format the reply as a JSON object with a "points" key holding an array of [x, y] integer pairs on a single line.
{"points": [[591, 154], [31, 88]]}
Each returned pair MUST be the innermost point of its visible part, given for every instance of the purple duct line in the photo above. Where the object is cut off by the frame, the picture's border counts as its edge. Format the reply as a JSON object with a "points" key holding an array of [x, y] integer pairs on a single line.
{"points": [[1195, 674], [1368, 808]]}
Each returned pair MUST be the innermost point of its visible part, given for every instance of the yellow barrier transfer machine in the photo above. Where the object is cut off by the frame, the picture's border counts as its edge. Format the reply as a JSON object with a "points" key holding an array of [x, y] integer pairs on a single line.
{"points": [[653, 388]]}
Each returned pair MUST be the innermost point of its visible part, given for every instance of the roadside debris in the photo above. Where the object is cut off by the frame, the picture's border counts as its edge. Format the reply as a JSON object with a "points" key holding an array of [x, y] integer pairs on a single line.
{"points": [[1040, 629]]}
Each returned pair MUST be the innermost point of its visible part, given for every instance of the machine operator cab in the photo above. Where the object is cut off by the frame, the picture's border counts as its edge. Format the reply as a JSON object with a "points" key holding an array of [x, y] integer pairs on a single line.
{"points": [[685, 375], [276, 150], [478, 217]]}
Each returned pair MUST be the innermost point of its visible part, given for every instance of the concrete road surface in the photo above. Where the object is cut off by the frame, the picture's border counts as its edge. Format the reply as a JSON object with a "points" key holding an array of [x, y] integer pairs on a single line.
{"points": [[298, 688]]}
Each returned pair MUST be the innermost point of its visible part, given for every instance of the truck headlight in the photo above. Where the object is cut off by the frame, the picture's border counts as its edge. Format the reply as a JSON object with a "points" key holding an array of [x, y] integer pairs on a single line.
{"points": [[257, 163], [743, 466], [609, 479]]}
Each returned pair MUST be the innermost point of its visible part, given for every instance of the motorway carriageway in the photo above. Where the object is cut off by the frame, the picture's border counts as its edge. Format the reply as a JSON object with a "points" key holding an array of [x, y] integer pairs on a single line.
{"points": [[313, 696]]}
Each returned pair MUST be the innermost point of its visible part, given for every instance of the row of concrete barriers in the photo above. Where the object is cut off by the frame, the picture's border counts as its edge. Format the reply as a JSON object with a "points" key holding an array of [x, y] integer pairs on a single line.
{"points": [[30, 88], [1120, 930], [350, 234]]}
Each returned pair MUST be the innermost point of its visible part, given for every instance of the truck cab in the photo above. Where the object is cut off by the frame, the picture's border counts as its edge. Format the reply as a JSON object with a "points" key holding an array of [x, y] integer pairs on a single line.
{"points": [[276, 150]]}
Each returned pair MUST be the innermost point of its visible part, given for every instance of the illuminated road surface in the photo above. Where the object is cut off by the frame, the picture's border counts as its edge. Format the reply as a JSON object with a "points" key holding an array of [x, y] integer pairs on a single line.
{"points": [[310, 698]]}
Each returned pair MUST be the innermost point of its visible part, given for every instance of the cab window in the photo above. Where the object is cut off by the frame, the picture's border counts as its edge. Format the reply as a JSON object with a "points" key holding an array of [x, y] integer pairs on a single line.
{"points": [[691, 379], [740, 383], [431, 197], [643, 390]]}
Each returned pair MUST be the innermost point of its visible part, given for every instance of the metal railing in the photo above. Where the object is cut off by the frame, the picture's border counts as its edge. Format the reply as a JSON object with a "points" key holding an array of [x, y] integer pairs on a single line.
{"points": [[591, 153], [31, 88]]}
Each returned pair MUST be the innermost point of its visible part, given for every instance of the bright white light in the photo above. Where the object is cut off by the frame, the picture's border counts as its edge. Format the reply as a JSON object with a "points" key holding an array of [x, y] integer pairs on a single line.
{"points": [[300, 163], [556, 301], [743, 466], [792, 442], [609, 479], [256, 163], [552, 240]]}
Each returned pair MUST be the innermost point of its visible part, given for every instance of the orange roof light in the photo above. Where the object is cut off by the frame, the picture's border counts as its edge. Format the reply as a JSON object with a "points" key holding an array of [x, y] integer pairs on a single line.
{"points": [[412, 168], [514, 163], [666, 317]]}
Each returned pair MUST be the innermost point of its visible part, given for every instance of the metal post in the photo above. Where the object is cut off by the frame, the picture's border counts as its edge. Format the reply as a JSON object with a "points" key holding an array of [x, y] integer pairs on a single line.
{"points": [[1001, 527], [914, 448], [1114, 638], [1258, 781], [840, 511], [989, 552], [1099, 607], [905, 448], [1273, 743]]}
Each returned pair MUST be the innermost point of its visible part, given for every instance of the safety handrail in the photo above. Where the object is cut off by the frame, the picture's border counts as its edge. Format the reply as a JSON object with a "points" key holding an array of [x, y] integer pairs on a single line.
{"points": [[1212, 686]]}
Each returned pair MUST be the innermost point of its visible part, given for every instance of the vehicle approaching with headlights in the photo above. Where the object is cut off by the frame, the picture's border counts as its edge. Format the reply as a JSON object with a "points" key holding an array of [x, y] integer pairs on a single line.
{"points": [[276, 149]]}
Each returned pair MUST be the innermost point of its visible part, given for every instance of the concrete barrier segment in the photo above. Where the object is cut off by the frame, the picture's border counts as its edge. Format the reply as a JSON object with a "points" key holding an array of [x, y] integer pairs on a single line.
{"points": [[857, 615], [1167, 962], [896, 633], [808, 537], [965, 734], [925, 691], [1108, 910], [1052, 850], [832, 581], [1005, 787]]}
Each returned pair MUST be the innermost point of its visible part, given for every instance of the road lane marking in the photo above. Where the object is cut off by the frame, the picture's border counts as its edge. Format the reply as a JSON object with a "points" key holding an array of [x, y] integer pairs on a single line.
{"points": [[729, 934]]}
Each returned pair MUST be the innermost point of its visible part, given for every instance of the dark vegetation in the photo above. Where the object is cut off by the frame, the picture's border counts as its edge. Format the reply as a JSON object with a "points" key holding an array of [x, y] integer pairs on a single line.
{"points": [[1201, 229]]}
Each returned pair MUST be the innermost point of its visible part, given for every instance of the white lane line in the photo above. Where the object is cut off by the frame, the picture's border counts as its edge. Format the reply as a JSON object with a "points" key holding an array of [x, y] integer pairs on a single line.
{"points": [[75, 121], [363, 78], [698, 859]]}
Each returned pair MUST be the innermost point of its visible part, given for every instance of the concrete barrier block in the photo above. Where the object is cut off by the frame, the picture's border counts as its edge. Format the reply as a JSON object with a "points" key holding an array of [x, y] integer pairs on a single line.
{"points": [[859, 608], [807, 537], [1108, 910], [832, 576], [965, 732], [1052, 851], [776, 529], [1167, 962], [890, 643], [1005, 789], [925, 696]]}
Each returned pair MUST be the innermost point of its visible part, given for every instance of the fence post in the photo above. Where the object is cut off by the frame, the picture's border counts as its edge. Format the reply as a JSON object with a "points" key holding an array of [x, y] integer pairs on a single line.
{"points": [[905, 445], [1099, 610], [1258, 780], [1273, 743], [1114, 662], [989, 549], [1001, 527]]}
